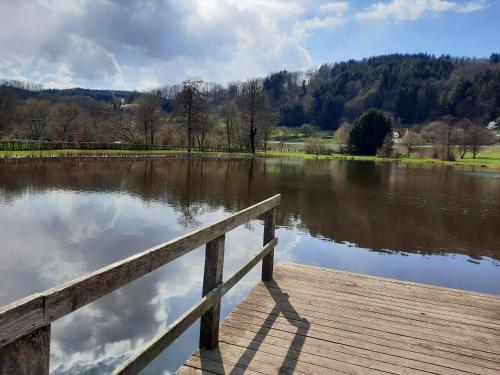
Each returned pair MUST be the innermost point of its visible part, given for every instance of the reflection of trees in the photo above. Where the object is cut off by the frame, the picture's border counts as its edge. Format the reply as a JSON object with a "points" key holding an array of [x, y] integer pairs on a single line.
{"points": [[189, 211], [378, 206]]}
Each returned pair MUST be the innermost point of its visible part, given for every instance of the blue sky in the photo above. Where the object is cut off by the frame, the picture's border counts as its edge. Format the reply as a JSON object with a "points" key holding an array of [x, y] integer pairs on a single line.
{"points": [[472, 34], [142, 44]]}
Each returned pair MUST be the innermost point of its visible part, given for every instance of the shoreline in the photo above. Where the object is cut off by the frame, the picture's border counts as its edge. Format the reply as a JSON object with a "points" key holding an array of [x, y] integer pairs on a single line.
{"points": [[492, 163]]}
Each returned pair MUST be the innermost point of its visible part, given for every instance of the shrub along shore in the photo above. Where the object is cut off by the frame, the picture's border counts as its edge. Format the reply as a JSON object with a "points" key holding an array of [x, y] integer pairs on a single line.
{"points": [[489, 158]]}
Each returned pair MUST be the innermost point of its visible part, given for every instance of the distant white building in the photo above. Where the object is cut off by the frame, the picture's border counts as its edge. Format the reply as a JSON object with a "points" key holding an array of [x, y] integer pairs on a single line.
{"points": [[129, 107], [398, 134], [492, 125]]}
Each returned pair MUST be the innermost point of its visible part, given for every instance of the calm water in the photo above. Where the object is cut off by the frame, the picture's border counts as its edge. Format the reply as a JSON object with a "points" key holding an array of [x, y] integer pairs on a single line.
{"points": [[60, 220]]}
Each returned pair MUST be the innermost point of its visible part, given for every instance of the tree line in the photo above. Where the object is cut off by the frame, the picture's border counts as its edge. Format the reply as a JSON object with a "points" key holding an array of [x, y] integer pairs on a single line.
{"points": [[411, 90], [373, 134], [192, 114]]}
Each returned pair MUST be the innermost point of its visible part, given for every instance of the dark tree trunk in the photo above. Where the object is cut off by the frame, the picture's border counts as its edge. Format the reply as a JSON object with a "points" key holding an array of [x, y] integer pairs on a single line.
{"points": [[228, 136], [189, 126]]}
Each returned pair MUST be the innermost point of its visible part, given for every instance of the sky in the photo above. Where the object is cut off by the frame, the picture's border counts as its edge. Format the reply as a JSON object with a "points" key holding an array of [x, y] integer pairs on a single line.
{"points": [[144, 44]]}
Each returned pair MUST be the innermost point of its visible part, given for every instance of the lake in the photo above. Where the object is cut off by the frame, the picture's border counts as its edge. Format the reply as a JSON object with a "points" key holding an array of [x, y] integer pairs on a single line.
{"points": [[63, 218]]}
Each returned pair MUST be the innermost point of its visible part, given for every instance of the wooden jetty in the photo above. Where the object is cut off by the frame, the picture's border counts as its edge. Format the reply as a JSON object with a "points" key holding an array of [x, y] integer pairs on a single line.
{"points": [[298, 319], [311, 320]]}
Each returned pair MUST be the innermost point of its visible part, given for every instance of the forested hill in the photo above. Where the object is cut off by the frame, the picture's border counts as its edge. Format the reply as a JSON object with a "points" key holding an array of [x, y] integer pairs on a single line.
{"points": [[24, 90], [414, 88]]}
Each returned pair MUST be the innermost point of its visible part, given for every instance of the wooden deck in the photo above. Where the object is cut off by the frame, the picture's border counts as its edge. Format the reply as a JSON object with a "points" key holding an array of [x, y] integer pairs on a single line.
{"points": [[312, 320]]}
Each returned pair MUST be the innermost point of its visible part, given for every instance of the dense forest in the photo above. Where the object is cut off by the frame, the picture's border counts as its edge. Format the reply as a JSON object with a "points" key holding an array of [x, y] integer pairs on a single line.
{"points": [[411, 89]]}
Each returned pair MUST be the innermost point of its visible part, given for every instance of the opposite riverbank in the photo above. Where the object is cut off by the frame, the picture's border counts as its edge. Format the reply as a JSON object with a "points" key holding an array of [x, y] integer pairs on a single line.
{"points": [[488, 158]]}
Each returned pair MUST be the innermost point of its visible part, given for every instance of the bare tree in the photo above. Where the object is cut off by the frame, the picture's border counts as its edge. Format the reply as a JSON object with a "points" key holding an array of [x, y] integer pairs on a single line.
{"points": [[478, 136], [255, 109], [410, 141], [190, 105], [283, 136], [229, 114], [121, 127], [471, 137], [148, 113], [94, 114], [463, 126], [341, 136], [444, 135], [7, 104], [36, 115], [64, 114], [203, 127], [265, 132]]}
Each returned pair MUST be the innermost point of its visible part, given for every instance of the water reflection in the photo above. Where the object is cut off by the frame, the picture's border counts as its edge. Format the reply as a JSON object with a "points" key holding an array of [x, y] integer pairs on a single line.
{"points": [[62, 219]]}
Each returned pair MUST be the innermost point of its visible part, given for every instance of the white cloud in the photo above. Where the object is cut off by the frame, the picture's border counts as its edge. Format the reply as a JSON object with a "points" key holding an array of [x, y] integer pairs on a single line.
{"points": [[317, 23], [473, 6], [407, 10], [148, 84], [140, 44], [335, 6], [335, 19]]}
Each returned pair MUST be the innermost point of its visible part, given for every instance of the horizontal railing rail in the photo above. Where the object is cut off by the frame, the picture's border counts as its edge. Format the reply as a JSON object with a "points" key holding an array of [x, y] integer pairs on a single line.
{"points": [[25, 324]]}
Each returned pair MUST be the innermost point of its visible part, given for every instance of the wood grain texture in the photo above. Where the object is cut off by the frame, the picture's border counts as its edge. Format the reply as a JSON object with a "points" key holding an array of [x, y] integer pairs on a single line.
{"points": [[28, 355], [311, 320], [212, 279], [21, 317], [38, 310], [268, 261]]}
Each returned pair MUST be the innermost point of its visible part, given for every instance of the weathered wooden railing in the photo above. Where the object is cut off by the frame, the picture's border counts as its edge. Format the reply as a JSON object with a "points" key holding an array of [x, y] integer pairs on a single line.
{"points": [[25, 324]]}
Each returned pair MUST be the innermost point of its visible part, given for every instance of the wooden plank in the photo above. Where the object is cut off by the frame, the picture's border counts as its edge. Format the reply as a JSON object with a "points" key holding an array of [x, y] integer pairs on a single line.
{"points": [[275, 363], [303, 268], [72, 295], [221, 367], [424, 293], [369, 304], [268, 261], [297, 349], [75, 294], [359, 312], [343, 333], [187, 370], [152, 349], [399, 337], [346, 345], [485, 346], [310, 320], [17, 316], [212, 279], [406, 300], [376, 290], [339, 317], [320, 292], [464, 319], [398, 297], [199, 237], [28, 355]]}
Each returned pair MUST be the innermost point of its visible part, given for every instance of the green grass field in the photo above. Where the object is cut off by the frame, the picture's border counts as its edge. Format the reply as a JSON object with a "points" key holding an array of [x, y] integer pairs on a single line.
{"points": [[487, 158]]}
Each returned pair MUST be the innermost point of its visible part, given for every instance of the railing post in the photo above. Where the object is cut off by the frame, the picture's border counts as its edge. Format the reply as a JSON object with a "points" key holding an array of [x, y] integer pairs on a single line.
{"points": [[212, 278], [268, 261], [29, 354]]}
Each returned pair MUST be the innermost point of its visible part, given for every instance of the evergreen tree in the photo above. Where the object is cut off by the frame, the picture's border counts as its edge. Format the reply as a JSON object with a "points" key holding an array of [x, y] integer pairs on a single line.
{"points": [[368, 133]]}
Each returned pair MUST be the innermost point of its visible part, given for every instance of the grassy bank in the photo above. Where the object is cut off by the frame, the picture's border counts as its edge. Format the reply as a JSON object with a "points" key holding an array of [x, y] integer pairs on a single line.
{"points": [[488, 158]]}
